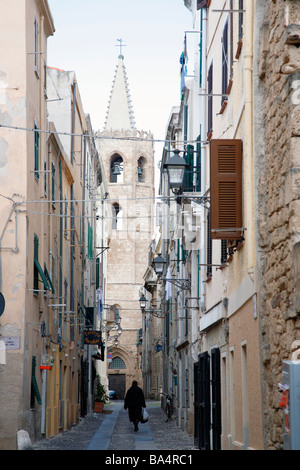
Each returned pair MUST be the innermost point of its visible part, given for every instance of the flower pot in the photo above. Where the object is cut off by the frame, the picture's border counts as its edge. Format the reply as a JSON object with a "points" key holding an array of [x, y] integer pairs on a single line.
{"points": [[98, 406]]}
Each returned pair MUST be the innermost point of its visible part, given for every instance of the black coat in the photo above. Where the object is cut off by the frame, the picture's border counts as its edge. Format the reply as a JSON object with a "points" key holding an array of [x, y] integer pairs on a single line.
{"points": [[135, 401]]}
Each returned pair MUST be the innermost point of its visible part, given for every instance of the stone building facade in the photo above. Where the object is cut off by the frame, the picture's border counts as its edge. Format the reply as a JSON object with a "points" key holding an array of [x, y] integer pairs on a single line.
{"points": [[129, 152], [277, 104]]}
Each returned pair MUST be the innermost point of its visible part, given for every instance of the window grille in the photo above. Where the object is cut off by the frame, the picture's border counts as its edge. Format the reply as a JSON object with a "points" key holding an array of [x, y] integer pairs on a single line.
{"points": [[117, 363]]}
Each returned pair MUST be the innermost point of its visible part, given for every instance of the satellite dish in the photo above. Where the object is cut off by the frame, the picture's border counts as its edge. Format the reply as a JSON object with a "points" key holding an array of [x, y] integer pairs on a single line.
{"points": [[2, 304]]}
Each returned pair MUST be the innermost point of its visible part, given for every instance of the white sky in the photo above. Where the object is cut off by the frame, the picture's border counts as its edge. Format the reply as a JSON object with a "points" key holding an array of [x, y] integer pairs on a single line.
{"points": [[153, 31]]}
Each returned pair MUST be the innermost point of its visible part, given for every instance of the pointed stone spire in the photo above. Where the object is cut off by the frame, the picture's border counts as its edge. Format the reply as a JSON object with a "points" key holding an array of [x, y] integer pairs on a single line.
{"points": [[120, 113]]}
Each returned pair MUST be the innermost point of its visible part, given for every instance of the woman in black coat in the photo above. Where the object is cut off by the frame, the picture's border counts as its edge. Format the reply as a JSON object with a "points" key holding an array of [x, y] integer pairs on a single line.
{"points": [[135, 401]]}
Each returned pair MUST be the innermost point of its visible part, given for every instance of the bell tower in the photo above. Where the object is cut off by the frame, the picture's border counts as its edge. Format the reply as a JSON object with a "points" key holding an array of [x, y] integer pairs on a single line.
{"points": [[128, 157]]}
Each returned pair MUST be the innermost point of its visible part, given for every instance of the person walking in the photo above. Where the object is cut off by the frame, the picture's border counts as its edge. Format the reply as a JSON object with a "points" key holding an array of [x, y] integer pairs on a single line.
{"points": [[134, 401]]}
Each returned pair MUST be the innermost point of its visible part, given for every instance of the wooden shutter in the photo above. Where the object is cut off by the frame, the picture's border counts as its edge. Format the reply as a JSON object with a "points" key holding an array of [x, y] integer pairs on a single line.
{"points": [[226, 189]]}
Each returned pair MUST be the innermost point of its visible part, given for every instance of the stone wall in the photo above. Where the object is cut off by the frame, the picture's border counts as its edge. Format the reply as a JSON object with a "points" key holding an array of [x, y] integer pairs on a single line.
{"points": [[278, 204]]}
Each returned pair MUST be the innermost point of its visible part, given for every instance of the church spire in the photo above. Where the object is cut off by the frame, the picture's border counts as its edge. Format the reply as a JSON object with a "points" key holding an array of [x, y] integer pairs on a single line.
{"points": [[120, 113]]}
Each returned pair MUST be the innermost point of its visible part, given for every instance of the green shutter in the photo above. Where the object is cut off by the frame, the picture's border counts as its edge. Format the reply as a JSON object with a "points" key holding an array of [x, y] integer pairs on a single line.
{"points": [[188, 176], [97, 273], [37, 267], [90, 241], [48, 278], [34, 384], [36, 152], [42, 274], [198, 165], [53, 183]]}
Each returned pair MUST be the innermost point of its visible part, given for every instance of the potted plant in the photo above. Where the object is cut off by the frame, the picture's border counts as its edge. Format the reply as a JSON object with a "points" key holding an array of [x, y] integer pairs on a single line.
{"points": [[99, 395]]}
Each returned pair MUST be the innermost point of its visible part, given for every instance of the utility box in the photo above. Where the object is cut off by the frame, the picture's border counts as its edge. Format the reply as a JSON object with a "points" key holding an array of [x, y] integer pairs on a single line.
{"points": [[291, 410]]}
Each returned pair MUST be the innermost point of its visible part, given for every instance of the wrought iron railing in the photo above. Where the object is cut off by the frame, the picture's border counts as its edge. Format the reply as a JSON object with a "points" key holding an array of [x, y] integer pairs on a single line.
{"points": [[192, 180]]}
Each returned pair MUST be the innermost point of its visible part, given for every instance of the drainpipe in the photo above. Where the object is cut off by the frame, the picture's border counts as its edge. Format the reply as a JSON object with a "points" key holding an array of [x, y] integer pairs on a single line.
{"points": [[248, 136], [203, 28], [73, 121]]}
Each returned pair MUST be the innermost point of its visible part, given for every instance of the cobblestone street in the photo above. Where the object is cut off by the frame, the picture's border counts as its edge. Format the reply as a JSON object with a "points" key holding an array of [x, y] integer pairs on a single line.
{"points": [[112, 431]]}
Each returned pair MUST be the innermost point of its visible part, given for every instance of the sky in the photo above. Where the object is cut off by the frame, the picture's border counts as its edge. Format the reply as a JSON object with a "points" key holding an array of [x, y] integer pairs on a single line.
{"points": [[86, 41]]}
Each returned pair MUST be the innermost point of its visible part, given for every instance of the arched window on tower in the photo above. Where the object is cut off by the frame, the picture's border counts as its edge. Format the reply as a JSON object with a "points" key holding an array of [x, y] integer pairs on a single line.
{"points": [[141, 169], [116, 216], [116, 169]]}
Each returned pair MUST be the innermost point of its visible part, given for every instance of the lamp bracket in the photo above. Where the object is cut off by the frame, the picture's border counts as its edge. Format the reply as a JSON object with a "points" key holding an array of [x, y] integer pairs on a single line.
{"points": [[183, 284], [202, 200]]}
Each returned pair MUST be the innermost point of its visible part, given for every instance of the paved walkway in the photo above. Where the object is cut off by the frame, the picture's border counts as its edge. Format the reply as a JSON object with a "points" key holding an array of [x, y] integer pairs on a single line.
{"points": [[112, 430]]}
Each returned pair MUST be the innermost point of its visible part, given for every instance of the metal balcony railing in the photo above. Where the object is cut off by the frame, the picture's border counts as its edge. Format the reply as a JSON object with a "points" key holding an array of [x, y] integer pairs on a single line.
{"points": [[192, 180]]}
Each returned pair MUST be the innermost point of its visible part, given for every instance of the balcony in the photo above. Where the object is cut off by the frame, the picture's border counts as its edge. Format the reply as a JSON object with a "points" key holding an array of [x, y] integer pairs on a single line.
{"points": [[192, 180]]}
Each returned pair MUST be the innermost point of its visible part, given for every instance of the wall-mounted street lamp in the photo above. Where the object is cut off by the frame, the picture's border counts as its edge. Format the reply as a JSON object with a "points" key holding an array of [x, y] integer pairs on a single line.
{"points": [[143, 302], [159, 264], [175, 167], [155, 312]]}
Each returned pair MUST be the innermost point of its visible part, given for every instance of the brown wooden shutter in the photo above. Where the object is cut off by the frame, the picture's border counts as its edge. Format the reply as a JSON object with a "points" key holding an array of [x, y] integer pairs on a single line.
{"points": [[226, 189]]}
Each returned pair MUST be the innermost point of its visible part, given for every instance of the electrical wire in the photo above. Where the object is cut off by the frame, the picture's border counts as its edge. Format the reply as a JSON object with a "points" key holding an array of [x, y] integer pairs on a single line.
{"points": [[102, 137]]}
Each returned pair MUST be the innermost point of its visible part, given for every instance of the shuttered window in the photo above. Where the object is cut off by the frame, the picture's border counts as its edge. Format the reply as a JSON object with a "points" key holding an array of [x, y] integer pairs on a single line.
{"points": [[241, 18], [188, 174], [34, 386], [208, 248], [36, 152], [53, 183], [37, 270], [198, 165], [36, 45], [226, 189], [210, 99], [225, 62]]}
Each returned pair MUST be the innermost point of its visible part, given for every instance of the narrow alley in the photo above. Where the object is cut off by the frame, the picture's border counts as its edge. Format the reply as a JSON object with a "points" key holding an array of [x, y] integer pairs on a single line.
{"points": [[112, 431]]}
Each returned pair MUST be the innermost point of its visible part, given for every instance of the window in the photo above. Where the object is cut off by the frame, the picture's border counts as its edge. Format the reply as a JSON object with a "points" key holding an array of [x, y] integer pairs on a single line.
{"points": [[241, 18], [117, 363], [117, 315], [116, 169], [208, 248], [48, 277], [34, 394], [225, 62], [223, 251], [66, 216], [45, 178], [188, 174], [97, 273], [240, 29], [226, 189], [141, 170], [37, 270], [36, 46], [116, 213], [90, 242], [36, 152], [210, 100], [53, 183]]}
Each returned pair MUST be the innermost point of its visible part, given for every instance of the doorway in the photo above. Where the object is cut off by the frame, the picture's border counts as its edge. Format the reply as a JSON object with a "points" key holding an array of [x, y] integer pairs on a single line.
{"points": [[117, 382]]}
